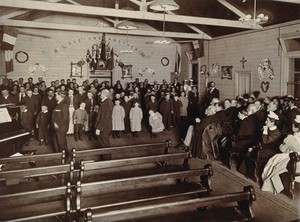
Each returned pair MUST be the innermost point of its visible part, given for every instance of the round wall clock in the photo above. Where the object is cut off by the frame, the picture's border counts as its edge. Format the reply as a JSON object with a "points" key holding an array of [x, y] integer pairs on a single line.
{"points": [[21, 57], [164, 61]]}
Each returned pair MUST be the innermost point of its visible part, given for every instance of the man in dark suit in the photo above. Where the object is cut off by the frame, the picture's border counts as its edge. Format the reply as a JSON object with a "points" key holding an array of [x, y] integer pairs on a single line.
{"points": [[212, 92], [60, 120], [290, 115], [104, 119]]}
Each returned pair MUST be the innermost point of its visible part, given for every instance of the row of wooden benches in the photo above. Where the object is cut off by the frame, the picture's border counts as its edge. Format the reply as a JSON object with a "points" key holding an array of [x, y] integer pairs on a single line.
{"points": [[112, 190]]}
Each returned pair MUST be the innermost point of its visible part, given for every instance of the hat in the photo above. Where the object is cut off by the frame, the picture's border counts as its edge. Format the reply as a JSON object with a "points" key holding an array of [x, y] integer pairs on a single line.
{"points": [[297, 119], [273, 115], [290, 98]]}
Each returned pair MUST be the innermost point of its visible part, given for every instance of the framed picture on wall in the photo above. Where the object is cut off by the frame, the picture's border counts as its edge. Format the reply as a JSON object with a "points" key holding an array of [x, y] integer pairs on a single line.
{"points": [[76, 70], [226, 72], [127, 71]]}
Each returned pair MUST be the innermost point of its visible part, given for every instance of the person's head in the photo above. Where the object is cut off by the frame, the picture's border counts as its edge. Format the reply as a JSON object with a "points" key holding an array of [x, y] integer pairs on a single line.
{"points": [[82, 105], [50, 93], [30, 79], [104, 94], [36, 89], [90, 95], [251, 109], [243, 113], [96, 108], [257, 104], [21, 80], [40, 79], [126, 98], [296, 125], [152, 98], [117, 102], [212, 84], [182, 94], [71, 92], [4, 91], [44, 108], [272, 106], [227, 103], [272, 119], [60, 95], [234, 103], [29, 92], [167, 96], [23, 106], [176, 98], [211, 110], [151, 112], [80, 89], [117, 96], [136, 104]]}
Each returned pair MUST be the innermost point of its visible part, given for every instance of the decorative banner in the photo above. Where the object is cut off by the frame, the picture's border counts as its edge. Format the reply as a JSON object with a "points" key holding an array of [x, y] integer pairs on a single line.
{"points": [[216, 69], [146, 70], [95, 38], [265, 86], [265, 68], [32, 69]]}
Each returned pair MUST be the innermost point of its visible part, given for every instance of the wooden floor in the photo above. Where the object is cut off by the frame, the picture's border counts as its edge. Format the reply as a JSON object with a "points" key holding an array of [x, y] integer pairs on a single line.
{"points": [[267, 207]]}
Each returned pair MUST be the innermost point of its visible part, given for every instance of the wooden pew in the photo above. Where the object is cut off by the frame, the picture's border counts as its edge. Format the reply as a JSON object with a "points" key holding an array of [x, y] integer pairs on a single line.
{"points": [[87, 154], [14, 176], [36, 204], [288, 178], [139, 190], [243, 199]]}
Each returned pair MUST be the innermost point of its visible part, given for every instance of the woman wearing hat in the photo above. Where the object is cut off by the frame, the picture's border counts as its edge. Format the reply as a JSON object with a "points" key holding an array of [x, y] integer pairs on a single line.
{"points": [[278, 163]]}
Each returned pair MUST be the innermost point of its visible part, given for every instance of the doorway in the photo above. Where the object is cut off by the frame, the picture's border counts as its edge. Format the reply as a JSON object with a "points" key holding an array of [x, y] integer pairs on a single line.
{"points": [[243, 82]]}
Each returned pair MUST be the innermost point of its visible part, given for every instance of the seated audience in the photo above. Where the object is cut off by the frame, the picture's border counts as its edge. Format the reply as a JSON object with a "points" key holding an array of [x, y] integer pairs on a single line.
{"points": [[278, 163]]}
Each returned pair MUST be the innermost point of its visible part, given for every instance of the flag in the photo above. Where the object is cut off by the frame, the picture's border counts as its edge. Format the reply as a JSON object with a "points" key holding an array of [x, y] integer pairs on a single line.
{"points": [[9, 38], [111, 60], [9, 65], [177, 62], [103, 47], [198, 48]]}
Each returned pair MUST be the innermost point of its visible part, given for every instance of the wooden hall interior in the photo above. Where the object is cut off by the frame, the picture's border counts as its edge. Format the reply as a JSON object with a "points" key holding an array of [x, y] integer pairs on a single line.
{"points": [[243, 46]]}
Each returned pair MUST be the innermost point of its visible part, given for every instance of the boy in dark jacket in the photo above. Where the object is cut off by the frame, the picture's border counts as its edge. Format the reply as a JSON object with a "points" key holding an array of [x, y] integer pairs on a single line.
{"points": [[43, 125]]}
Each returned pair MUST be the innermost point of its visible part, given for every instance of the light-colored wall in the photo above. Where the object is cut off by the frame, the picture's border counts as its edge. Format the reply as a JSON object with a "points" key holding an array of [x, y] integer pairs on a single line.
{"points": [[254, 46], [65, 47]]}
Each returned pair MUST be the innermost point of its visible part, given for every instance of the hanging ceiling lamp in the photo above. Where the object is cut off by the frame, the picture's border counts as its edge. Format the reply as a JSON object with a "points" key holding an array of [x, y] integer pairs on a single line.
{"points": [[164, 5], [127, 25], [256, 20]]}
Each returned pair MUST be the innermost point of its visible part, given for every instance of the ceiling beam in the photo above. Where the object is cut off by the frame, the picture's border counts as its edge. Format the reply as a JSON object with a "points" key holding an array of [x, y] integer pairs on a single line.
{"points": [[14, 14], [101, 11], [81, 28], [235, 10], [288, 1], [232, 8], [194, 28]]}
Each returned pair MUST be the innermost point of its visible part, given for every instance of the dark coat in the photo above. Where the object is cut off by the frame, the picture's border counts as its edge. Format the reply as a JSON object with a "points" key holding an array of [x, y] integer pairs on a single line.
{"points": [[8, 100], [104, 118], [32, 104], [50, 103], [60, 116], [78, 98]]}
